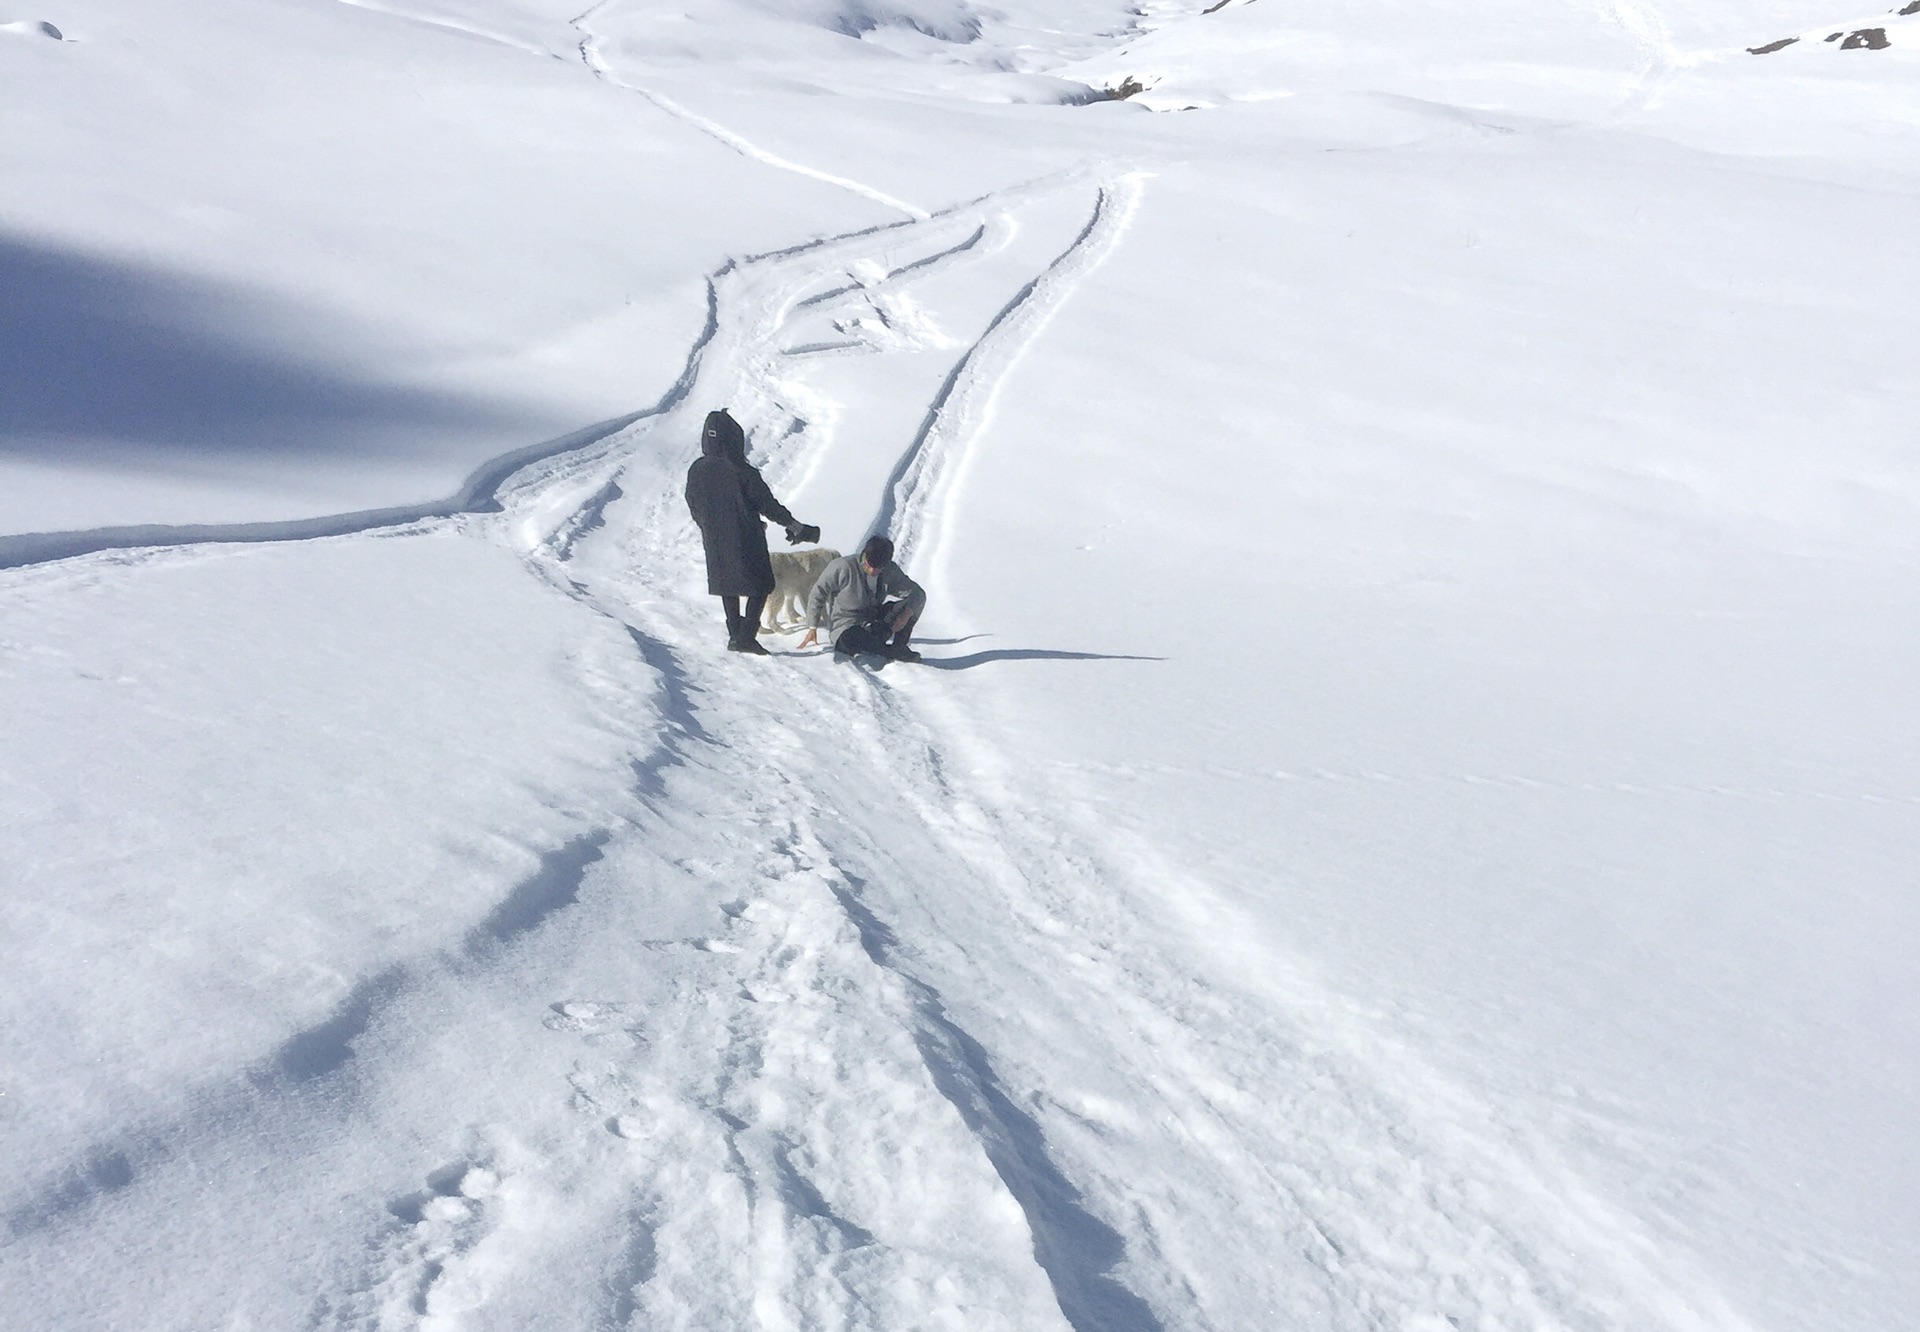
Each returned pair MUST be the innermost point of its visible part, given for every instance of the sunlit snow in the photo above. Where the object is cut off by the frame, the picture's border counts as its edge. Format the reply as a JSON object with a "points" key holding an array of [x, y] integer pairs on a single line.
{"points": [[1408, 819]]}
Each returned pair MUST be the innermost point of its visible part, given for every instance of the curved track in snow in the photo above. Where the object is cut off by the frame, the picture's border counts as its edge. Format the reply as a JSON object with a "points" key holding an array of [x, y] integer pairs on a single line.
{"points": [[917, 490], [590, 55]]}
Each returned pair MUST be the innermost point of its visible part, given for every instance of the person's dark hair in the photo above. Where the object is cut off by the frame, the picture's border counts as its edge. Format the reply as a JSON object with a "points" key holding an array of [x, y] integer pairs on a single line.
{"points": [[877, 552]]}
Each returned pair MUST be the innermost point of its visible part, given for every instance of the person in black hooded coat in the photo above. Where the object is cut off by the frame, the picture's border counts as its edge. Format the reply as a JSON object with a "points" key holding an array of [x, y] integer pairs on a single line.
{"points": [[730, 501]]}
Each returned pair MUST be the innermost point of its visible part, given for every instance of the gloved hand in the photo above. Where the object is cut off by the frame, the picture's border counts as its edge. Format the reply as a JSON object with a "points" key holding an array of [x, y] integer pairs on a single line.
{"points": [[803, 534]]}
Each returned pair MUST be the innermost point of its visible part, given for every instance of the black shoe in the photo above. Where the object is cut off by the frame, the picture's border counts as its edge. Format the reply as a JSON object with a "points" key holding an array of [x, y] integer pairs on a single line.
{"points": [[750, 646], [901, 652]]}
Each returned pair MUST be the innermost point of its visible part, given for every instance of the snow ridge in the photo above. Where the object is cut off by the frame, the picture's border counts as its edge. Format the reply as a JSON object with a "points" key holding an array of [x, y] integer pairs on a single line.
{"points": [[476, 495], [924, 479]]}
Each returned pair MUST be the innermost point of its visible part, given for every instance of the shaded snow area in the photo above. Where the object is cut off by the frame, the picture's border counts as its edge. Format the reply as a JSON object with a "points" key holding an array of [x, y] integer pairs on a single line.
{"points": [[1408, 818]]}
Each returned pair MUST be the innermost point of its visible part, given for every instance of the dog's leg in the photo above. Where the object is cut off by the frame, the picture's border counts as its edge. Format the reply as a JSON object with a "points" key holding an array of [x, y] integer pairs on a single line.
{"points": [[780, 610]]}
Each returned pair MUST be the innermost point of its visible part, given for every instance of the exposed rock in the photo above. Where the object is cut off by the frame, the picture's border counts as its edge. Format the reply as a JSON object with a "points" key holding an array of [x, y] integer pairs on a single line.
{"points": [[1867, 39]]}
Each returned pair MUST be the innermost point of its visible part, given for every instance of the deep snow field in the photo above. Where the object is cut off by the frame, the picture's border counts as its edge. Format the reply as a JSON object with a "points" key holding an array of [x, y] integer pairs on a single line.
{"points": [[1409, 818]]}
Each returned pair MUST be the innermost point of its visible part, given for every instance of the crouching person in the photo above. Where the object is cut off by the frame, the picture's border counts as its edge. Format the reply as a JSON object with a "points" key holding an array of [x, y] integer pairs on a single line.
{"points": [[867, 604]]}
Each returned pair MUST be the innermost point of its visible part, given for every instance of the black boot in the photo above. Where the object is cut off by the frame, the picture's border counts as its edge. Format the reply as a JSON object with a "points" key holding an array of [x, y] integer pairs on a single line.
{"points": [[747, 640], [898, 647], [730, 607]]}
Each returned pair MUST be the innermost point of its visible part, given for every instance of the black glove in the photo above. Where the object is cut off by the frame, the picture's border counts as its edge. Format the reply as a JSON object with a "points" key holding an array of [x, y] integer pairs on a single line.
{"points": [[803, 534]]}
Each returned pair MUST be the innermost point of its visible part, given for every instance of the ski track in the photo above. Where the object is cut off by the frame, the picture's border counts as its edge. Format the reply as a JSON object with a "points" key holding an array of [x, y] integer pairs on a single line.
{"points": [[1660, 60], [448, 25], [735, 1104], [590, 55], [924, 481]]}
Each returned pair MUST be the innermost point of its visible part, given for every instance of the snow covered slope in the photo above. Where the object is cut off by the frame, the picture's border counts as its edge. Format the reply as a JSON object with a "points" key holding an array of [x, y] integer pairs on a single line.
{"points": [[1408, 818]]}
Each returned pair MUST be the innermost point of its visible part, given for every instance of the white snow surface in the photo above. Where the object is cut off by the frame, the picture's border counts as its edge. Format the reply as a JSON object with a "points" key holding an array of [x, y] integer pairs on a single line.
{"points": [[1409, 817]]}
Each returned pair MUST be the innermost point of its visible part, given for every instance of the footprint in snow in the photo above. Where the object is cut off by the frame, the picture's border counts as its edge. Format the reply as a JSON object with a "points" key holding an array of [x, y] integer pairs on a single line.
{"points": [[597, 1022], [453, 1194], [696, 945], [33, 28], [746, 911], [634, 1126], [597, 1093], [766, 995], [625, 1111], [420, 1270]]}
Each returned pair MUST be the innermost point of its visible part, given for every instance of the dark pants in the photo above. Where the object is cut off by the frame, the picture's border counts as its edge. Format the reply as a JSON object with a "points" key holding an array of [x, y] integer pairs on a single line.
{"points": [[875, 638], [743, 624]]}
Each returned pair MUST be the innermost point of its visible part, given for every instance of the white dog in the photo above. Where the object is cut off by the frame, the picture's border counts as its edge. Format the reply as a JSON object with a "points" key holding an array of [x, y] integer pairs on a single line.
{"points": [[794, 574]]}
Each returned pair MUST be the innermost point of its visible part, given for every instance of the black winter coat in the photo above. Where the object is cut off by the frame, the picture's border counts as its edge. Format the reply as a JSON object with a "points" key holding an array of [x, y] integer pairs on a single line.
{"points": [[728, 500]]}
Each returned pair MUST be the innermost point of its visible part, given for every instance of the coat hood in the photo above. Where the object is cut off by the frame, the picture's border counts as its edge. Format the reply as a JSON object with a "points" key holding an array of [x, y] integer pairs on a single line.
{"points": [[722, 437]]}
